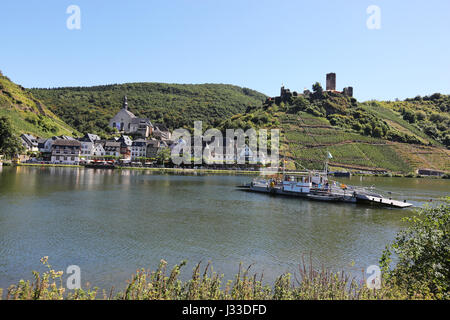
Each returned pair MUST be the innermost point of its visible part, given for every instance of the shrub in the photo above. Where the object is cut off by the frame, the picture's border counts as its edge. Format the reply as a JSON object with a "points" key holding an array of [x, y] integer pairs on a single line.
{"points": [[367, 129], [317, 88], [409, 116], [356, 126], [423, 251], [421, 115], [377, 132], [205, 284], [10, 144]]}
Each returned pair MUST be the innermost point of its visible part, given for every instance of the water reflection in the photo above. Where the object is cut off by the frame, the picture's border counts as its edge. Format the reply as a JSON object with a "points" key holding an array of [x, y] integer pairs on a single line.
{"points": [[112, 222]]}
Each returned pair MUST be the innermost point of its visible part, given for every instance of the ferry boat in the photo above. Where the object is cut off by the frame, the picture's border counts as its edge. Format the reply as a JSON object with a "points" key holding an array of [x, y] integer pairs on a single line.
{"points": [[316, 186]]}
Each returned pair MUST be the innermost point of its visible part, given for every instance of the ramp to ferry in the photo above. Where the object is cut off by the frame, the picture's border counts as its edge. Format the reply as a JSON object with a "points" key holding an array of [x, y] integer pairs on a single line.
{"points": [[385, 201]]}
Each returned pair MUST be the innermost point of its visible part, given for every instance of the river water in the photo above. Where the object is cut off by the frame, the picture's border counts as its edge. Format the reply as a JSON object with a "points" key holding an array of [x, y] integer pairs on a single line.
{"points": [[110, 223]]}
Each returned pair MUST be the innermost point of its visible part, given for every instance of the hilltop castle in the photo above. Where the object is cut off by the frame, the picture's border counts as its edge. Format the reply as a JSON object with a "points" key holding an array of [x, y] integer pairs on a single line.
{"points": [[286, 94], [331, 85]]}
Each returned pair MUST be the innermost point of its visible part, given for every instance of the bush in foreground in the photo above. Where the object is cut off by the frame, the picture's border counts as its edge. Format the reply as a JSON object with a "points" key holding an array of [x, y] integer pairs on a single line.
{"points": [[205, 284], [423, 251]]}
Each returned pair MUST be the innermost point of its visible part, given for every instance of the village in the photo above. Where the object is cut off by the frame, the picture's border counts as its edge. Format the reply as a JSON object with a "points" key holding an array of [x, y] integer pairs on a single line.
{"points": [[151, 146]]}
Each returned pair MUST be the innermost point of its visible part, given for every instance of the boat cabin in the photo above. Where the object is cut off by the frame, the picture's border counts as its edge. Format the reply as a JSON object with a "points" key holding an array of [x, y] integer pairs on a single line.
{"points": [[303, 183]]}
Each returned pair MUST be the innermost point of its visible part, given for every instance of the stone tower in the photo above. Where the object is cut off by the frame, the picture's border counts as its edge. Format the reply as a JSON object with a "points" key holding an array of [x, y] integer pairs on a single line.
{"points": [[348, 91], [331, 81]]}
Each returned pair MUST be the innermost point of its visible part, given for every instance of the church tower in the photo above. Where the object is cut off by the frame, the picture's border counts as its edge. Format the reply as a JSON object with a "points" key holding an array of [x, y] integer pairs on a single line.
{"points": [[125, 103]]}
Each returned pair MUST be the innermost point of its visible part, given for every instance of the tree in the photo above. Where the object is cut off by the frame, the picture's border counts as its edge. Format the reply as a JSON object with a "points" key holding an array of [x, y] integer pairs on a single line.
{"points": [[409, 116], [446, 140], [317, 88], [421, 115], [377, 132], [423, 252], [9, 144], [300, 104], [356, 126], [430, 129], [163, 155], [367, 129]]}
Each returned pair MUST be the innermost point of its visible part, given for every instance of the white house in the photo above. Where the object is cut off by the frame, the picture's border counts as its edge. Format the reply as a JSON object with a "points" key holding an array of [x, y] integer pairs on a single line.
{"points": [[88, 145], [138, 149], [98, 150], [112, 148], [30, 142], [66, 151], [45, 145]]}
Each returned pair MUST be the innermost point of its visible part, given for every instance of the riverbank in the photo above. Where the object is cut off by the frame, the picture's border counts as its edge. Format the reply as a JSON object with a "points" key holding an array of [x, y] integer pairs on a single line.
{"points": [[162, 170], [45, 165], [225, 171]]}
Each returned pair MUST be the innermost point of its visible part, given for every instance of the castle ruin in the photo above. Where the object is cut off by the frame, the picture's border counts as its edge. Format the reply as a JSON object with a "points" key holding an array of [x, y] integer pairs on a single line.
{"points": [[331, 82], [286, 94]]}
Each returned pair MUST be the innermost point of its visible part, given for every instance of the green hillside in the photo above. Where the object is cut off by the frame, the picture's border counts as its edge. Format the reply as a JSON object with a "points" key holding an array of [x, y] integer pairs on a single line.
{"points": [[429, 114], [27, 114], [364, 136], [89, 109], [399, 136]]}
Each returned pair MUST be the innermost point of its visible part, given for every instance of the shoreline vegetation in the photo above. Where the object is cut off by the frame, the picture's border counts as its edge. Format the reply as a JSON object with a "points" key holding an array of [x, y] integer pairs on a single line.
{"points": [[223, 171], [205, 284], [421, 272]]}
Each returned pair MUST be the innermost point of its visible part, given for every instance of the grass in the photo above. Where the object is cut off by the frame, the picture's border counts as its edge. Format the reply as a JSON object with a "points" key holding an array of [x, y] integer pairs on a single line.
{"points": [[20, 125], [324, 136], [27, 114], [206, 284]]}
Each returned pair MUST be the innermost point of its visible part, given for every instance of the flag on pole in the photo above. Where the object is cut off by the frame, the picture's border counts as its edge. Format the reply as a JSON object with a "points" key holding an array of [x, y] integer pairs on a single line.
{"points": [[330, 156]]}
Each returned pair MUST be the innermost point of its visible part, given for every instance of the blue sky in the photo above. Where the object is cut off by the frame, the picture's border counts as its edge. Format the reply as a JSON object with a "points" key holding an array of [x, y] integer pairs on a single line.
{"points": [[257, 44]]}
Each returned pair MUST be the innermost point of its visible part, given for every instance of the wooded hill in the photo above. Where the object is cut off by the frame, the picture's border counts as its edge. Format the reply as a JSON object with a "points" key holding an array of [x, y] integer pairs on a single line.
{"points": [[27, 114], [399, 136], [89, 109]]}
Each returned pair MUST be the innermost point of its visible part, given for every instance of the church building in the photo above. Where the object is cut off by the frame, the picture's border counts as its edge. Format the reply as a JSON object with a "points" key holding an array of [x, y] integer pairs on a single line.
{"points": [[126, 122]]}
